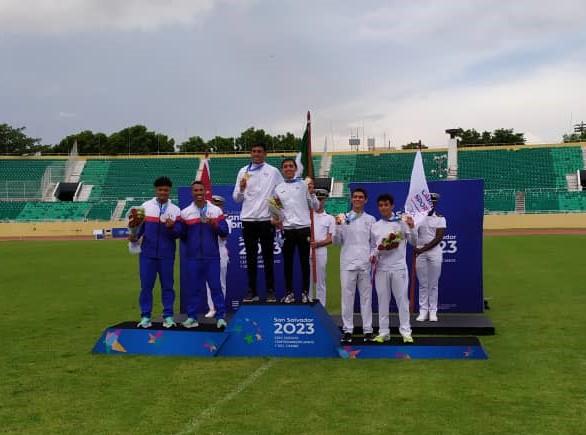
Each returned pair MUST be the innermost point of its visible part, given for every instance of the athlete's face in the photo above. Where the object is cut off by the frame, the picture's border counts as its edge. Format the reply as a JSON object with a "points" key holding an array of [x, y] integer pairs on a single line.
{"points": [[288, 169], [198, 193], [258, 155], [358, 201], [385, 208], [162, 193]]}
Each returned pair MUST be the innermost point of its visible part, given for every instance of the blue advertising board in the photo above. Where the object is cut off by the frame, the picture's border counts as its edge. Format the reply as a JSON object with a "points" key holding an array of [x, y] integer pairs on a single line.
{"points": [[462, 204]]}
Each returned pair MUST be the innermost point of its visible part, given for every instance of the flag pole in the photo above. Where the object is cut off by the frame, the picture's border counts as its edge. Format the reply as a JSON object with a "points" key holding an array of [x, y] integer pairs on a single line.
{"points": [[413, 274], [311, 214]]}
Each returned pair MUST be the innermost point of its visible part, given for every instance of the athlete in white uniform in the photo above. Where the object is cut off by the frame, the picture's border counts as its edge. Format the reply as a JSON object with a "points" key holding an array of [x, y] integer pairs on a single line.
{"points": [[324, 227], [219, 201], [389, 238], [353, 233], [430, 233]]}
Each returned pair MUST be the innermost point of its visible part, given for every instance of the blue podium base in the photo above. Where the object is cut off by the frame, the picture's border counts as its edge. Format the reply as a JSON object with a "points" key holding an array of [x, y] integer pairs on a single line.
{"points": [[126, 338], [276, 330]]}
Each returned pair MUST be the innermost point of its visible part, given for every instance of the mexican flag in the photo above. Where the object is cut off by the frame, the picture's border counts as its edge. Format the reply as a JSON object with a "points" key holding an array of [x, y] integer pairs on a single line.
{"points": [[303, 158]]}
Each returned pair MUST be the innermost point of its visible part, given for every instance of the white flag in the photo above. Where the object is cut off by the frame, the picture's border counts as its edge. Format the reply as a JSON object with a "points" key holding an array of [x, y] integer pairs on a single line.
{"points": [[418, 200]]}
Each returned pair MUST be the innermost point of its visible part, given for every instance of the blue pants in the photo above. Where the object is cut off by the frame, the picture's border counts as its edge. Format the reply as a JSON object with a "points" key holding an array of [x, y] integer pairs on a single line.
{"points": [[149, 268], [198, 273]]}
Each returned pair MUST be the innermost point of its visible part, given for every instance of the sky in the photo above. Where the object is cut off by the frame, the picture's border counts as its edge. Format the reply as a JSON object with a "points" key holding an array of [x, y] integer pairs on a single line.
{"points": [[398, 71]]}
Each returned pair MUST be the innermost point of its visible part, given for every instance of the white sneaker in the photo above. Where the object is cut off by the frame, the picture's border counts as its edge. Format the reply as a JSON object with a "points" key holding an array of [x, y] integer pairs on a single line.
{"points": [[190, 322], [211, 313], [432, 316], [407, 339], [145, 322], [422, 316]]}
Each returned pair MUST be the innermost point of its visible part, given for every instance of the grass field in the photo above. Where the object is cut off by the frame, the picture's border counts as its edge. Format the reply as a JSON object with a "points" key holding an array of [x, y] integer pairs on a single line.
{"points": [[57, 297]]}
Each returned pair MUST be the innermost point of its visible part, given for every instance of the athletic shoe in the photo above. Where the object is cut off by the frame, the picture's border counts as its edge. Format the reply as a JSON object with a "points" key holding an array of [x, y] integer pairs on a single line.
{"points": [[190, 322], [422, 316], [250, 297], [221, 323], [288, 299], [407, 339], [169, 322], [145, 322], [369, 336], [271, 298], [305, 298], [381, 338], [432, 316], [211, 313], [346, 338]]}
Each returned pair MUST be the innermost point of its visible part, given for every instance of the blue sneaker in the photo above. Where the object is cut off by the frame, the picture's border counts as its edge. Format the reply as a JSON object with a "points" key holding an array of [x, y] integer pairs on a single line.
{"points": [[145, 322], [221, 323], [169, 322], [190, 323]]}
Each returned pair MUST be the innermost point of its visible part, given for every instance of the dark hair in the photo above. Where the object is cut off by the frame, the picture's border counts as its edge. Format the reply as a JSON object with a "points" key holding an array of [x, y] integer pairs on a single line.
{"points": [[289, 159], [163, 181], [259, 145], [197, 182], [360, 190], [386, 197]]}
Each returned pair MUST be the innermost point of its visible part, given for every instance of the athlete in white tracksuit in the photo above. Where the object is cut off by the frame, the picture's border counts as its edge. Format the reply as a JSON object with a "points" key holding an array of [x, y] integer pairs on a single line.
{"points": [[430, 233], [224, 257], [353, 233], [324, 228], [389, 238]]}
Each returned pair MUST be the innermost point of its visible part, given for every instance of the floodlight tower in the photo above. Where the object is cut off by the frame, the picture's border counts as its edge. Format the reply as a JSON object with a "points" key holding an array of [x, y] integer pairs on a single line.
{"points": [[453, 152]]}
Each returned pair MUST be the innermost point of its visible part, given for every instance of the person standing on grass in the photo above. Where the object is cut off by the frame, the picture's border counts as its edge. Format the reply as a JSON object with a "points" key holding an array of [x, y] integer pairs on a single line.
{"points": [[324, 229], [296, 199], [255, 184], [389, 236], [219, 201], [429, 260], [202, 223], [353, 234], [158, 233]]}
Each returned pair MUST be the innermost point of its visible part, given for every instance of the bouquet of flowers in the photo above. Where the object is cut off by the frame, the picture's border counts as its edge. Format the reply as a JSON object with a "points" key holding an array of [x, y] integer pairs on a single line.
{"points": [[275, 207], [390, 242], [135, 220]]}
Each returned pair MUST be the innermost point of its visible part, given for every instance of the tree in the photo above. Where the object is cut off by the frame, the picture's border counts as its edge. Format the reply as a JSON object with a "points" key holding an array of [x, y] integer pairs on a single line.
{"points": [[195, 144], [221, 144], [251, 137], [499, 136], [138, 140], [575, 137], [88, 142], [414, 146], [15, 141]]}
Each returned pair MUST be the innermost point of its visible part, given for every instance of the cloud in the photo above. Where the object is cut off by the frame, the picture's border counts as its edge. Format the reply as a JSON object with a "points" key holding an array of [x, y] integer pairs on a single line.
{"points": [[65, 16]]}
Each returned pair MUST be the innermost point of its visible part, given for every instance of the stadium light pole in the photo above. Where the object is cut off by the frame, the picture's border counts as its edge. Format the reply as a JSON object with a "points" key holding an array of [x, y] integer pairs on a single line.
{"points": [[453, 152]]}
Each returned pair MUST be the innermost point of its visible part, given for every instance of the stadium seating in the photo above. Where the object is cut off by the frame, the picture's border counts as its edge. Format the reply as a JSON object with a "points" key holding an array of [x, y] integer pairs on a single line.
{"points": [[539, 172], [50, 211]]}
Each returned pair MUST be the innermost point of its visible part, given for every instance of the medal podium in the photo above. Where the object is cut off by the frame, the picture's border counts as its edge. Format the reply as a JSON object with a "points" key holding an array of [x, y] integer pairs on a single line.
{"points": [[276, 330]]}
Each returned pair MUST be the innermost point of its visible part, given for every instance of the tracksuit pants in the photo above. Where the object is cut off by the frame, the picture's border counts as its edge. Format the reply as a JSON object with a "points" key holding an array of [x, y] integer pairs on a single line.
{"points": [[149, 268], [350, 280], [223, 273], [199, 273], [321, 262], [397, 282], [253, 233], [296, 238], [429, 269]]}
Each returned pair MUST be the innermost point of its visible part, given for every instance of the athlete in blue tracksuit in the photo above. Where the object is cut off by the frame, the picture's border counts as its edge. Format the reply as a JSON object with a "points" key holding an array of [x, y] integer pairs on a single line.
{"points": [[159, 230], [201, 225]]}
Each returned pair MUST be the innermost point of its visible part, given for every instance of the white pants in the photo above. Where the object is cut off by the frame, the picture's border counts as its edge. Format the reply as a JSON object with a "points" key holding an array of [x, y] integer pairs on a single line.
{"points": [[321, 261], [350, 280], [396, 281], [429, 269], [223, 272]]}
